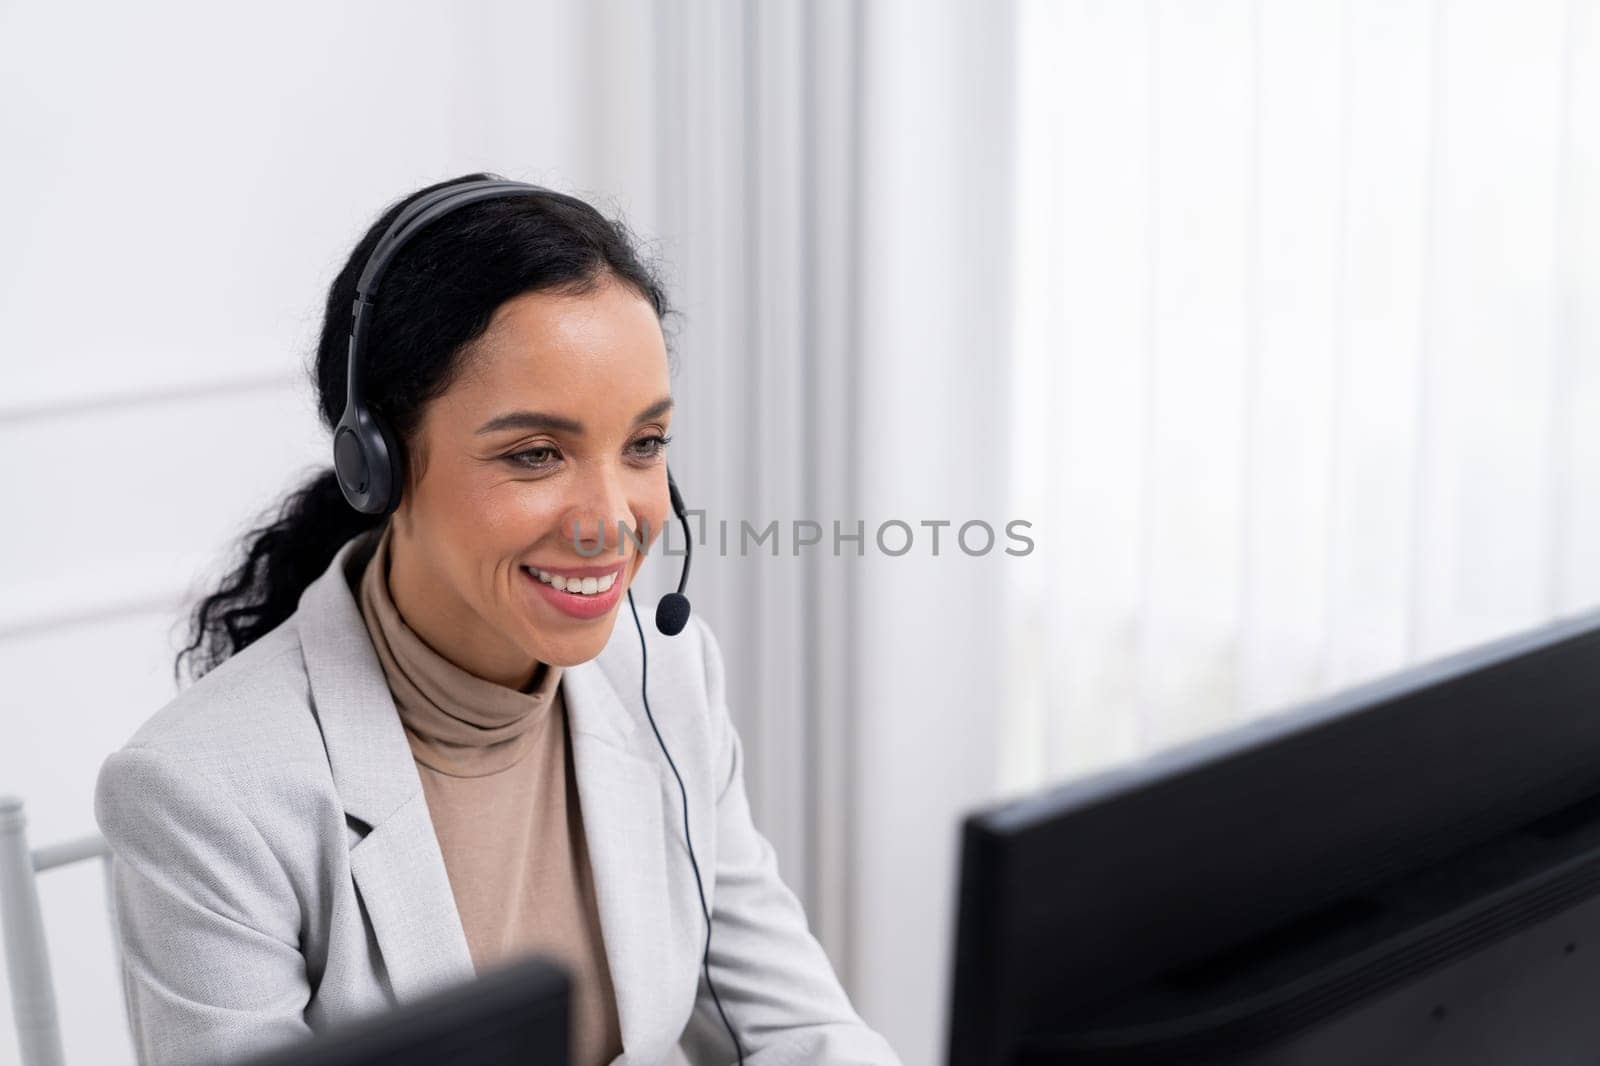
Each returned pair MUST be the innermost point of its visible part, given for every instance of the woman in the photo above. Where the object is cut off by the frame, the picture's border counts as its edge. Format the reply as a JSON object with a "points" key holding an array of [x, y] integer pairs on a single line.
{"points": [[417, 747]]}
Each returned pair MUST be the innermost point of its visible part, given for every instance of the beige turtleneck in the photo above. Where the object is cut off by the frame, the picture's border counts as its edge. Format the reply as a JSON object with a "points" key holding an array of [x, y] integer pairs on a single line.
{"points": [[496, 769]]}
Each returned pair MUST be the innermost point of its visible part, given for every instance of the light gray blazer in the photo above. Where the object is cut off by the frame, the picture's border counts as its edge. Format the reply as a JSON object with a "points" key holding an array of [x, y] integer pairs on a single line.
{"points": [[275, 867]]}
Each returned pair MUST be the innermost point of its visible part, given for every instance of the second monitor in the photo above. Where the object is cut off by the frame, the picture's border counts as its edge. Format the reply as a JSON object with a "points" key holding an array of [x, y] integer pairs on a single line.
{"points": [[1407, 872]]}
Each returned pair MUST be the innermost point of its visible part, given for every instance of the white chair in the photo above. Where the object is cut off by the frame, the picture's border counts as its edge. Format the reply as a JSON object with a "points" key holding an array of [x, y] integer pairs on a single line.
{"points": [[33, 1000]]}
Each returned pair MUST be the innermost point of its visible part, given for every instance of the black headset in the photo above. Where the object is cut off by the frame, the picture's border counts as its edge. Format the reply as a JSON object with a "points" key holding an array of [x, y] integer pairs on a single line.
{"points": [[369, 463]]}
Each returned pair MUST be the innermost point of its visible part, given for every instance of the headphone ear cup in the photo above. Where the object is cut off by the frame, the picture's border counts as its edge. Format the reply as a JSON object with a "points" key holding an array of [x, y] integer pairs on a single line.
{"points": [[368, 462], [394, 461]]}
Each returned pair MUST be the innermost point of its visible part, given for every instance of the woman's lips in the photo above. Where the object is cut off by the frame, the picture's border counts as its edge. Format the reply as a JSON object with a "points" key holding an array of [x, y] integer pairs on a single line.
{"points": [[577, 604]]}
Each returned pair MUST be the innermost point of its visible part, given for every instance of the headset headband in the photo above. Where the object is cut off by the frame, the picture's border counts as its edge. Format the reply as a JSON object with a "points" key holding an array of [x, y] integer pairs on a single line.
{"points": [[366, 456], [408, 224]]}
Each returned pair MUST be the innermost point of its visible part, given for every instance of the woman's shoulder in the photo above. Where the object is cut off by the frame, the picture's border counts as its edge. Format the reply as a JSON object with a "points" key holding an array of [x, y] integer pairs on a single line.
{"points": [[225, 796], [245, 722]]}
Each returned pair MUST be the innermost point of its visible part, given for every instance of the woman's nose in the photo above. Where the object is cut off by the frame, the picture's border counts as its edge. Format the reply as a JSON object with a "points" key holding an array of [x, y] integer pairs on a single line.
{"points": [[596, 523]]}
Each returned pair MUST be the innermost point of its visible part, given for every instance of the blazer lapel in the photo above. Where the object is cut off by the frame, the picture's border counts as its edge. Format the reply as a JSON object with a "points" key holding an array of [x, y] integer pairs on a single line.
{"points": [[398, 867], [400, 874], [643, 916]]}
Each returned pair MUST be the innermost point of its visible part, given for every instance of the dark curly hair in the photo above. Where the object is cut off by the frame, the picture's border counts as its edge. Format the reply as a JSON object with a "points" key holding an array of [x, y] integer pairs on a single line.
{"points": [[438, 297]]}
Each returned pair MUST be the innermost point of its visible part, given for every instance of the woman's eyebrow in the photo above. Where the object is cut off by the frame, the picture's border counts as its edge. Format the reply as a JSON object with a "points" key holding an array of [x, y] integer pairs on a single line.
{"points": [[655, 410], [540, 420]]}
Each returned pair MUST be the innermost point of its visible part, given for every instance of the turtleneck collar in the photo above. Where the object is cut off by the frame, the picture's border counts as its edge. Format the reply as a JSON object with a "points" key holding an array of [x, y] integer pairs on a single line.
{"points": [[456, 722]]}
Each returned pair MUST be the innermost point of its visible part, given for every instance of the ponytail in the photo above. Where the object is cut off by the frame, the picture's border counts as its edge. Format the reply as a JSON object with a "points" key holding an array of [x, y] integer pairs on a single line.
{"points": [[281, 558]]}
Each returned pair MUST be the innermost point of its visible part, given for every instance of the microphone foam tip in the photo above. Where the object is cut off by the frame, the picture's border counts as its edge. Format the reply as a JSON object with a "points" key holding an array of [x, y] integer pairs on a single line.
{"points": [[672, 613]]}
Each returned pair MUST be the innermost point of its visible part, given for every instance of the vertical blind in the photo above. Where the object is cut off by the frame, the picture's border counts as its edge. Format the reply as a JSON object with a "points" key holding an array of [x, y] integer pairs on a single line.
{"points": [[1307, 371]]}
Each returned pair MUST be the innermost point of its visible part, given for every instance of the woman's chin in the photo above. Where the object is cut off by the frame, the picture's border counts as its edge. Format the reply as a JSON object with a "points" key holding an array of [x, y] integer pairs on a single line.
{"points": [[581, 643]]}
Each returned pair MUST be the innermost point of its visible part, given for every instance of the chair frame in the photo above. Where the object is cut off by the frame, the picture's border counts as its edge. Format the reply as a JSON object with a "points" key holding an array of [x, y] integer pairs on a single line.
{"points": [[27, 956]]}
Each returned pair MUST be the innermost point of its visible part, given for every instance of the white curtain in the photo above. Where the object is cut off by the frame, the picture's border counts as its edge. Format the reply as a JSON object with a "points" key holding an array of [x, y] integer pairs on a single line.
{"points": [[835, 182], [1308, 372]]}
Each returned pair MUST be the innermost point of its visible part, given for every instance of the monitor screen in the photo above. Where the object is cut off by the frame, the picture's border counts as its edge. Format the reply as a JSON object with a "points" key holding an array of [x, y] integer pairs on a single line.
{"points": [[1404, 872], [514, 1015]]}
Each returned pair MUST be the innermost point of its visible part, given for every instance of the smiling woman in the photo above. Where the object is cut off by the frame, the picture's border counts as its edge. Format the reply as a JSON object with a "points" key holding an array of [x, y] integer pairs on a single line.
{"points": [[413, 749]]}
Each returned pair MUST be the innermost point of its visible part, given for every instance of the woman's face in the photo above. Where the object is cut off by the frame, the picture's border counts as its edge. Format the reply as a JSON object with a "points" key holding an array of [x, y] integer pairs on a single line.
{"points": [[556, 421]]}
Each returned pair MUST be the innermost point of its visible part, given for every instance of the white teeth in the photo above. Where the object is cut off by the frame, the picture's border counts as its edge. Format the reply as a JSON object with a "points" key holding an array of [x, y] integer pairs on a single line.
{"points": [[581, 586]]}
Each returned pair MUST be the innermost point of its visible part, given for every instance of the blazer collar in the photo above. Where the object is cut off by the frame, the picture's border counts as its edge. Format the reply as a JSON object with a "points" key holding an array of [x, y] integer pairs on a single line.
{"points": [[398, 867]]}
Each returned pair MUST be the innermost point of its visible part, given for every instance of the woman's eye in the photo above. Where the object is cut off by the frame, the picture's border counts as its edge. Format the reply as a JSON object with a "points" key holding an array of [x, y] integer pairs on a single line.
{"points": [[534, 457], [650, 447]]}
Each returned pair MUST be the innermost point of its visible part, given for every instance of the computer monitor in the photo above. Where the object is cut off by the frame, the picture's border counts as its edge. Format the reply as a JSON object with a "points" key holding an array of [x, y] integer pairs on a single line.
{"points": [[514, 1015], [1406, 872]]}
